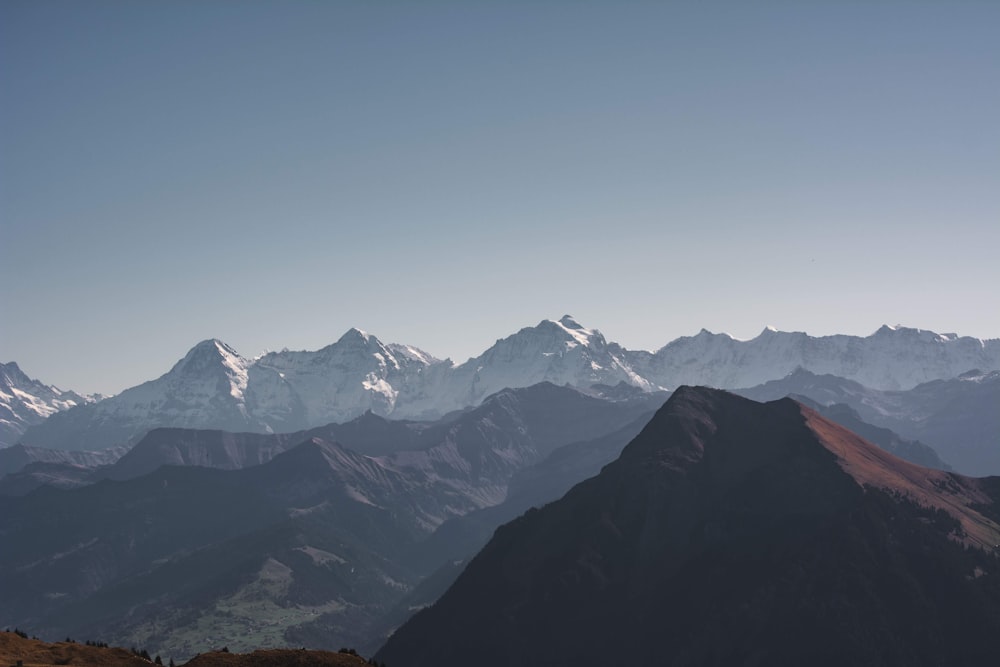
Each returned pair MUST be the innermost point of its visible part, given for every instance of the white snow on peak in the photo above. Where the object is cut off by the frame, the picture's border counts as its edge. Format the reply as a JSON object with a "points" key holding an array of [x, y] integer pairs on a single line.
{"points": [[236, 369], [208, 357], [576, 332], [892, 358], [910, 332], [355, 334], [411, 352]]}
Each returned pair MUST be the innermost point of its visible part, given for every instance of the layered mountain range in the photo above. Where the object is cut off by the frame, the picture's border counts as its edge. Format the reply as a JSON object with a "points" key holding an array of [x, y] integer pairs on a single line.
{"points": [[215, 387], [306, 538], [332, 536], [732, 532]]}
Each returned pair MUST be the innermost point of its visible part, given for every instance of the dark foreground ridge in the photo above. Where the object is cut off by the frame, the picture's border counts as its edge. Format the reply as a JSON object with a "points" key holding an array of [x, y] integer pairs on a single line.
{"points": [[733, 532]]}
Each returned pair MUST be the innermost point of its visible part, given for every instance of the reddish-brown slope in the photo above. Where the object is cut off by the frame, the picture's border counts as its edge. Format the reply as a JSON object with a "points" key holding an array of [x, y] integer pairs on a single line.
{"points": [[871, 466]]}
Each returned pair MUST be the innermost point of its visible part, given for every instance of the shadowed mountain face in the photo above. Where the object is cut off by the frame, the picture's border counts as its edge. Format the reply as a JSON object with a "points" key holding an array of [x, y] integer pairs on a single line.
{"points": [[187, 558], [13, 459], [732, 532]]}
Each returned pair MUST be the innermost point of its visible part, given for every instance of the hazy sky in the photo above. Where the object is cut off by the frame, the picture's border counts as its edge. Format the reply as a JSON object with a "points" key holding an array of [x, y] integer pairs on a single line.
{"points": [[445, 173]]}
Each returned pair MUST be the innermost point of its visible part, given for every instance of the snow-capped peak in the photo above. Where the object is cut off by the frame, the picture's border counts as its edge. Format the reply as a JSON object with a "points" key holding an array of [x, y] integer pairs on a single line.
{"points": [[355, 335], [576, 331], [561, 352], [212, 354], [25, 401]]}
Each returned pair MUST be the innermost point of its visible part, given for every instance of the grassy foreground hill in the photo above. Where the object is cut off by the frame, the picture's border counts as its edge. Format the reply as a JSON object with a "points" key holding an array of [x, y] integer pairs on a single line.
{"points": [[16, 649]]}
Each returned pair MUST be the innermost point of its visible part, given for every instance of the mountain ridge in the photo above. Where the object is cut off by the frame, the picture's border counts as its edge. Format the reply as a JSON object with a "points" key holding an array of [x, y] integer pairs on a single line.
{"points": [[212, 386]]}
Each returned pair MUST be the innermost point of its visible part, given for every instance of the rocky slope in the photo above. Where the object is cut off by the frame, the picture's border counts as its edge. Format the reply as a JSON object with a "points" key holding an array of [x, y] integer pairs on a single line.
{"points": [[730, 531]]}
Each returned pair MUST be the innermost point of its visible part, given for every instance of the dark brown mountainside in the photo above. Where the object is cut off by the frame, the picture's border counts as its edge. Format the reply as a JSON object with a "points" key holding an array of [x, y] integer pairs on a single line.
{"points": [[731, 532]]}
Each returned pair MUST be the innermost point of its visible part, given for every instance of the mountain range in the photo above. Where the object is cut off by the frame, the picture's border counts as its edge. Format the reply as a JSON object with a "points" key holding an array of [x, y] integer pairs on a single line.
{"points": [[319, 498], [732, 532], [280, 392]]}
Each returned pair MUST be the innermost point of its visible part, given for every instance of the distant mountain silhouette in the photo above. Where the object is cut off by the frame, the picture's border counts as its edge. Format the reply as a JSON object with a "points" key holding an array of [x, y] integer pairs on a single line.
{"points": [[958, 417], [732, 532]]}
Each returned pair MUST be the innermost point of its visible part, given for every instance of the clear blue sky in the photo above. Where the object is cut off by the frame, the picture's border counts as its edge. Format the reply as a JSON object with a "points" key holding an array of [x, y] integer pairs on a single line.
{"points": [[444, 173]]}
